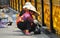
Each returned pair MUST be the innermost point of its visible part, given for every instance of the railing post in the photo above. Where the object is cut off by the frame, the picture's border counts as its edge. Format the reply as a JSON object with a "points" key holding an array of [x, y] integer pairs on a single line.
{"points": [[22, 3], [30, 0], [13, 4], [51, 18], [36, 7], [18, 5], [25, 0], [36, 4], [42, 4], [9, 3]]}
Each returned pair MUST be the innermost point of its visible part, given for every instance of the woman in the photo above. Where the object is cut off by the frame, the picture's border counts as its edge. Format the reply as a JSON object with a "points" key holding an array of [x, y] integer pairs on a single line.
{"points": [[25, 21]]}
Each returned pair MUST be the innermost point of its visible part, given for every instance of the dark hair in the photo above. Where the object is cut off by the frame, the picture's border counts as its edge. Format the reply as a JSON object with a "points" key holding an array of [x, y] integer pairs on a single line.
{"points": [[22, 12], [32, 11]]}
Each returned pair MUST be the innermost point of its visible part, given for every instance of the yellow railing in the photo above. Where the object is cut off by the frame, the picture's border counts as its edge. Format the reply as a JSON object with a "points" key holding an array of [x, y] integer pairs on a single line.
{"points": [[55, 12], [56, 18]]}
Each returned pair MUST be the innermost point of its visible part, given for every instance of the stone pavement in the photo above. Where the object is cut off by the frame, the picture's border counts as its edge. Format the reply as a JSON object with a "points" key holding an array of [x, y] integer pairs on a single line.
{"points": [[14, 32]]}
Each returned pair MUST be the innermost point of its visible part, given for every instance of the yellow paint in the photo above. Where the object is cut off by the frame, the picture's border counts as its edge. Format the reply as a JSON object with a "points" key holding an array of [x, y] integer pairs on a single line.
{"points": [[56, 18]]}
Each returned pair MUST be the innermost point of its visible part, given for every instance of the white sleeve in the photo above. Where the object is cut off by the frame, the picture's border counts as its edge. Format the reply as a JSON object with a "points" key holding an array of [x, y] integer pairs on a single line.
{"points": [[35, 21]]}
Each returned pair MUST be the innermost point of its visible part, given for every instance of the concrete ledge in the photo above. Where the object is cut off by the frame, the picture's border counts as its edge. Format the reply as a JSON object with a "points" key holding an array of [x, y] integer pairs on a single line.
{"points": [[14, 11]]}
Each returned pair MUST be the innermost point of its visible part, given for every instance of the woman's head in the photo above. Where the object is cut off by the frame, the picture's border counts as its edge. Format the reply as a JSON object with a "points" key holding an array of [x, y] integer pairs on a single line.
{"points": [[25, 9], [32, 12], [29, 7]]}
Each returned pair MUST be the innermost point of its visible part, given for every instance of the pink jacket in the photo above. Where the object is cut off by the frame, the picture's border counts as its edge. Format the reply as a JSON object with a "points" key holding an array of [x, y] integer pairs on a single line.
{"points": [[25, 16]]}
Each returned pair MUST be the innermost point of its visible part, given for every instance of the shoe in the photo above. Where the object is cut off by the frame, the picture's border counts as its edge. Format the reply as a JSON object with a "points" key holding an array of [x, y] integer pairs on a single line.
{"points": [[27, 32]]}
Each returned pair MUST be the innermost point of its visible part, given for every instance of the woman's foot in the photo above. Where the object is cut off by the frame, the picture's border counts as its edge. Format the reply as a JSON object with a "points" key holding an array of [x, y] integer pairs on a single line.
{"points": [[26, 32]]}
